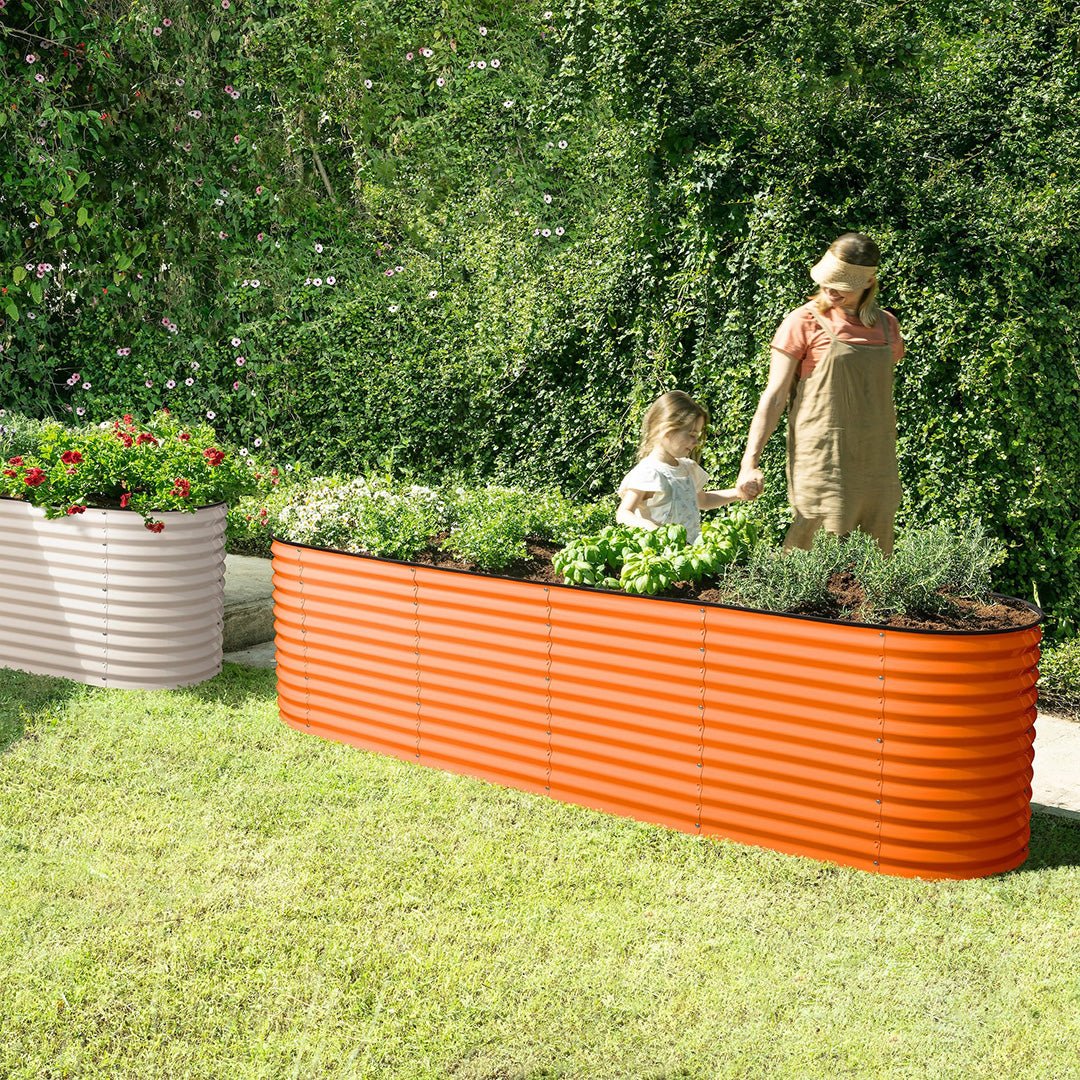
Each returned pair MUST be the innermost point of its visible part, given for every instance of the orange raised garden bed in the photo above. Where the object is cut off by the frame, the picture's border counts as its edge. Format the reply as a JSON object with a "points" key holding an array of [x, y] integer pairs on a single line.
{"points": [[905, 752]]}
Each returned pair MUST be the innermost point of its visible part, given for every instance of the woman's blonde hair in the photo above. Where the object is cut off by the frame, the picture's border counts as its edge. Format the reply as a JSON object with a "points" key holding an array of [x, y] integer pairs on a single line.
{"points": [[673, 411], [859, 249]]}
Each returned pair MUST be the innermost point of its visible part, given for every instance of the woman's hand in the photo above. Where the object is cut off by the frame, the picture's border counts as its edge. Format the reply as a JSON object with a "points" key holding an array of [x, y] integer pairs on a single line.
{"points": [[751, 482]]}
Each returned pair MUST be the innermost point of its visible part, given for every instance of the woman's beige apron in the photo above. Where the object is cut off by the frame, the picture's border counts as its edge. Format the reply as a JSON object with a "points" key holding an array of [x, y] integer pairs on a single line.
{"points": [[841, 444]]}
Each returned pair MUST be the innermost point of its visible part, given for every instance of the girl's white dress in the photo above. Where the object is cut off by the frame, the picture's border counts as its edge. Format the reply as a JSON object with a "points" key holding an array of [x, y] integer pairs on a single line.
{"points": [[673, 490]]}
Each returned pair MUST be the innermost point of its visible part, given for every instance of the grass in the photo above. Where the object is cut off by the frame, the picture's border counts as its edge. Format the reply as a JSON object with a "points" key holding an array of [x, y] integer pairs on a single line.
{"points": [[190, 889]]}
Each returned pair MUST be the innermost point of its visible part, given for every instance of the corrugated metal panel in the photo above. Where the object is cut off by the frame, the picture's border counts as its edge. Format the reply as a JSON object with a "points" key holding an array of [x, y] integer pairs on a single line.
{"points": [[96, 598], [897, 751]]}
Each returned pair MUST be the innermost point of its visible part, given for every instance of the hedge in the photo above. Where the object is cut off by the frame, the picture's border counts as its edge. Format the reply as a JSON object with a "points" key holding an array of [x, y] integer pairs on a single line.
{"points": [[697, 157]]}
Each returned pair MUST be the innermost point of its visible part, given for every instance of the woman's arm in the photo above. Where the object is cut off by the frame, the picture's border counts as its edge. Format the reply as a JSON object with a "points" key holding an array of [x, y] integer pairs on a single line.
{"points": [[633, 510], [782, 371]]}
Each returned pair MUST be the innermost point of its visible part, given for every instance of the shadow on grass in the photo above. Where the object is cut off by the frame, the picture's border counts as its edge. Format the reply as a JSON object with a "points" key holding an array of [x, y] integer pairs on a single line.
{"points": [[23, 695], [236, 685], [1055, 841]]}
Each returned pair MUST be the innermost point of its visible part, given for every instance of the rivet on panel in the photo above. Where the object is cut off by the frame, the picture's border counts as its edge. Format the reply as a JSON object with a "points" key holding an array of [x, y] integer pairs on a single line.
{"points": [[879, 739], [878, 801]]}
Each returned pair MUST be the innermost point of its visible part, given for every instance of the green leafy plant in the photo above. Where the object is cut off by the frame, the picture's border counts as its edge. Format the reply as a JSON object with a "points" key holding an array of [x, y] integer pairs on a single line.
{"points": [[147, 468], [650, 561], [1059, 678]]}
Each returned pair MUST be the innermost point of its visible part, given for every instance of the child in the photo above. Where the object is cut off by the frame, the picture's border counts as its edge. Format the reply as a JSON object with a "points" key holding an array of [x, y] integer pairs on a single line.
{"points": [[666, 485]]}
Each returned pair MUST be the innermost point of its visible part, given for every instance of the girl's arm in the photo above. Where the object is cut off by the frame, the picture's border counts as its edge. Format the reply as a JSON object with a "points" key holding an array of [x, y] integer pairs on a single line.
{"points": [[709, 500], [633, 510]]}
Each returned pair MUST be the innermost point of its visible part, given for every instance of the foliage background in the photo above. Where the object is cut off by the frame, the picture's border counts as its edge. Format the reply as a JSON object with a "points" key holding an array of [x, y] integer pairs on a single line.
{"points": [[180, 176]]}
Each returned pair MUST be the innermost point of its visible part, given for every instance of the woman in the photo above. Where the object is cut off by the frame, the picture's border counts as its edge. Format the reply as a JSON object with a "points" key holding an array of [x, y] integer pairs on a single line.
{"points": [[832, 367]]}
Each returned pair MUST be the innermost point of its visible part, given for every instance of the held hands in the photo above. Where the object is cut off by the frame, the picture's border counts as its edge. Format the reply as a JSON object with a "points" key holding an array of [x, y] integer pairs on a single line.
{"points": [[751, 482]]}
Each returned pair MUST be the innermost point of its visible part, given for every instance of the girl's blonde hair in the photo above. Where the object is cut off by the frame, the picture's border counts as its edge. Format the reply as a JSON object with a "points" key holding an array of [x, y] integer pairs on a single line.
{"points": [[859, 249], [673, 411]]}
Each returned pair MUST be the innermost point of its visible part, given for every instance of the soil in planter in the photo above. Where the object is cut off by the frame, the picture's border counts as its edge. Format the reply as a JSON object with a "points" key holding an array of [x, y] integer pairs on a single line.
{"points": [[846, 598]]}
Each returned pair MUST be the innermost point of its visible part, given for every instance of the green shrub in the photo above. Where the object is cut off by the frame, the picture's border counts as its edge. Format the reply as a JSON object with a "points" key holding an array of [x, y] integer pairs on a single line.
{"points": [[929, 569], [1059, 678]]}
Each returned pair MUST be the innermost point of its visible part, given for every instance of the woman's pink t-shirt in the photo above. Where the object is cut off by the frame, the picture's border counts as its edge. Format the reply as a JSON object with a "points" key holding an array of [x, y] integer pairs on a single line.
{"points": [[800, 336]]}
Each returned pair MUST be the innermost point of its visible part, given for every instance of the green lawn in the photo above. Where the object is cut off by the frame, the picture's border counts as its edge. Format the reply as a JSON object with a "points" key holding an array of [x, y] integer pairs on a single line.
{"points": [[190, 889]]}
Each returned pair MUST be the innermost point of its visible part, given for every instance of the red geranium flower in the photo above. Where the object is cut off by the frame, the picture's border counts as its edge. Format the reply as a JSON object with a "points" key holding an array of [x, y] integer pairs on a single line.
{"points": [[10, 472], [144, 437], [155, 526], [125, 438], [125, 499], [183, 436], [14, 460], [71, 457], [76, 509], [181, 487], [35, 477], [213, 456]]}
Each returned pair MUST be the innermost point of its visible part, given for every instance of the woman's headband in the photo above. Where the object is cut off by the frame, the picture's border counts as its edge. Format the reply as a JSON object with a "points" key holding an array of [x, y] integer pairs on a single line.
{"points": [[834, 273]]}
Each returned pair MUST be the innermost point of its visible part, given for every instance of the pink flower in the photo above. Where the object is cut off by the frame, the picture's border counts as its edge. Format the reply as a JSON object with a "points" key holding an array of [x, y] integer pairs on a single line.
{"points": [[482, 30], [189, 381], [236, 385], [39, 77], [157, 31], [331, 280], [440, 81], [31, 58], [318, 248], [496, 63], [228, 89], [236, 139], [165, 321], [240, 361], [86, 386], [389, 271], [259, 190], [171, 384], [80, 411], [166, 22], [408, 56], [148, 384], [210, 414], [235, 342], [225, 5]]}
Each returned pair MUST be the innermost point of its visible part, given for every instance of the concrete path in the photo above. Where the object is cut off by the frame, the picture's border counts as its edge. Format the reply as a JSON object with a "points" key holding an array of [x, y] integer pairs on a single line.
{"points": [[249, 634]]}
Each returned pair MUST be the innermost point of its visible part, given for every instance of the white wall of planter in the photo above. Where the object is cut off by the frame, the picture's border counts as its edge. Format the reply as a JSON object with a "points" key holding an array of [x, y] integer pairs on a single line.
{"points": [[98, 598]]}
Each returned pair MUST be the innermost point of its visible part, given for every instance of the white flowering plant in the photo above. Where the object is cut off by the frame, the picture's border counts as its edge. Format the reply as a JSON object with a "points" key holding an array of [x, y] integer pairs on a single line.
{"points": [[487, 526]]}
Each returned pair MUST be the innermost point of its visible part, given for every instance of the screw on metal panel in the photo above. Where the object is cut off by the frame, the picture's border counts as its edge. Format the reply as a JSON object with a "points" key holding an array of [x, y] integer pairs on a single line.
{"points": [[875, 862], [881, 676], [878, 801], [879, 738]]}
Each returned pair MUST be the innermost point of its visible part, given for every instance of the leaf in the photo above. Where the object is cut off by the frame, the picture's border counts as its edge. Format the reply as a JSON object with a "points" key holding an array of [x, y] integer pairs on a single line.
{"points": [[215, 35], [48, 207], [36, 291], [11, 309], [17, 274], [82, 217], [53, 229]]}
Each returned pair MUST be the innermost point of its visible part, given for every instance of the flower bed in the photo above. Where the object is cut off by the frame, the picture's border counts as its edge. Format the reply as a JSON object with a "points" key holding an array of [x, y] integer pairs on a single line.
{"points": [[895, 750], [98, 599]]}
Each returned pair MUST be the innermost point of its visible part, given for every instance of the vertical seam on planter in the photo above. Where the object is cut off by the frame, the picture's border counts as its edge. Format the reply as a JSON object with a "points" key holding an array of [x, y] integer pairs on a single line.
{"points": [[416, 653], [701, 725], [547, 688], [105, 601], [303, 635], [881, 755]]}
